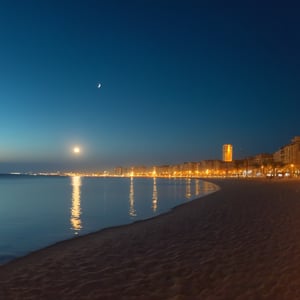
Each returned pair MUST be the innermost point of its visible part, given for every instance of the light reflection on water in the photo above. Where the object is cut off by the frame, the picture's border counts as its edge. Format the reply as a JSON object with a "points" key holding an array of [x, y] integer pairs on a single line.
{"points": [[197, 187], [76, 208], [154, 196], [38, 211], [188, 193], [132, 212], [193, 188]]}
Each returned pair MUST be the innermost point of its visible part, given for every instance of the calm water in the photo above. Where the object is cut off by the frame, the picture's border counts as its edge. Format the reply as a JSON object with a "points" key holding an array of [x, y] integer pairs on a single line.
{"points": [[38, 211]]}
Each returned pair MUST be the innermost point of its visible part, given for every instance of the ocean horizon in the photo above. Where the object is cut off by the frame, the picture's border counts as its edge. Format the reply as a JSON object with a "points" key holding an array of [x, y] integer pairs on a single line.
{"points": [[37, 211]]}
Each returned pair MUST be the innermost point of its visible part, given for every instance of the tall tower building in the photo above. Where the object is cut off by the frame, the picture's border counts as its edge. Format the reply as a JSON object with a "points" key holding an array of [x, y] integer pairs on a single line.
{"points": [[227, 153]]}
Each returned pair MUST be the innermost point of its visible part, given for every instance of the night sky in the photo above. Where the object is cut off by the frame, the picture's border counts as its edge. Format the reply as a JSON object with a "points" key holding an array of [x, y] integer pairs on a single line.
{"points": [[179, 79]]}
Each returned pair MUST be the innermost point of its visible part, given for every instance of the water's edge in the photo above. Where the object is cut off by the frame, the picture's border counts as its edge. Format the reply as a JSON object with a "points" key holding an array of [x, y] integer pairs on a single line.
{"points": [[8, 259]]}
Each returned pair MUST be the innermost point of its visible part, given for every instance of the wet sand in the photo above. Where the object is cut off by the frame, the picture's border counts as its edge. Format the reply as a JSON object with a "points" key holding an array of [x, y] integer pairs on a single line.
{"points": [[242, 242]]}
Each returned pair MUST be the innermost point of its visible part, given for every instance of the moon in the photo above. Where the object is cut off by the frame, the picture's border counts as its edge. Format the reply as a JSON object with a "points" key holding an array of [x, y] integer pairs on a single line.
{"points": [[99, 85], [76, 150]]}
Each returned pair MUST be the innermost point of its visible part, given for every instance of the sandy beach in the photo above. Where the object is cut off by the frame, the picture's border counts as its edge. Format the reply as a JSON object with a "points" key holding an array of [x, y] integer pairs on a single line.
{"points": [[242, 242]]}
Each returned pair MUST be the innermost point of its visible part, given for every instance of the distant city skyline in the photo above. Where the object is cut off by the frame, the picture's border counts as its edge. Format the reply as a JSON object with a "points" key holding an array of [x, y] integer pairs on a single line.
{"points": [[145, 82], [287, 157]]}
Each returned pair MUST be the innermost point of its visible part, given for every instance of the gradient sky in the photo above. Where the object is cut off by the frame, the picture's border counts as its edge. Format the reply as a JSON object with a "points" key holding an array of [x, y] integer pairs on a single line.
{"points": [[179, 79]]}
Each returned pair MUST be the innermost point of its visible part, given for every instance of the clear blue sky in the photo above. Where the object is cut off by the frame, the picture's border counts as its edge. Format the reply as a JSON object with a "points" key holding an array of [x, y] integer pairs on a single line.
{"points": [[179, 79]]}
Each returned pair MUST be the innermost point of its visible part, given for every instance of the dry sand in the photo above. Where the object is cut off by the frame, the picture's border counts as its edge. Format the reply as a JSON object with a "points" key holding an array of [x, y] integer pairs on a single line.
{"points": [[242, 242]]}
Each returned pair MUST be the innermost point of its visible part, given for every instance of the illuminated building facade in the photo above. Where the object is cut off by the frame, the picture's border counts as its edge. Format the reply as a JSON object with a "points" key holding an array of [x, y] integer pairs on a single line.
{"points": [[227, 153], [285, 163], [289, 154]]}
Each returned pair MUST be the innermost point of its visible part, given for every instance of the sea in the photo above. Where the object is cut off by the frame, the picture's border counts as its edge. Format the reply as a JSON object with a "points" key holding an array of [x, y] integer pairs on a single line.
{"points": [[37, 211]]}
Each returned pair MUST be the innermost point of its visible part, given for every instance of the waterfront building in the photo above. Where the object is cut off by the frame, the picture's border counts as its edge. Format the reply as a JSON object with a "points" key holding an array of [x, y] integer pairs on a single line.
{"points": [[263, 159], [163, 170], [289, 154], [227, 153], [259, 160], [119, 171], [189, 169]]}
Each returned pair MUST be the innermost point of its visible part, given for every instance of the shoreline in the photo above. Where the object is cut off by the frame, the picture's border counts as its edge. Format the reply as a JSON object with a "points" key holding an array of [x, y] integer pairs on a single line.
{"points": [[116, 227], [7, 258], [220, 246]]}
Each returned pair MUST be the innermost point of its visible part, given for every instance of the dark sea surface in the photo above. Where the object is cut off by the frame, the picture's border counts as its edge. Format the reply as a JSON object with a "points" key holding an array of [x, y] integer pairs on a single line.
{"points": [[36, 211]]}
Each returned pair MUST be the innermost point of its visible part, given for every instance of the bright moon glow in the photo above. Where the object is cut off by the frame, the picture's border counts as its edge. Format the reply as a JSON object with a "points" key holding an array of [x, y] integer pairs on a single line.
{"points": [[99, 85], [76, 150]]}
